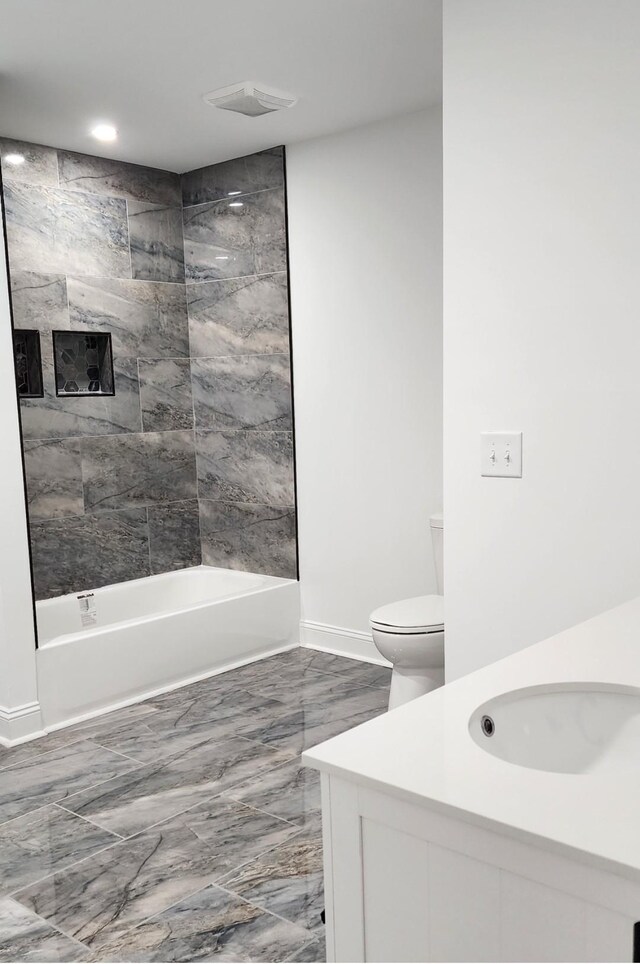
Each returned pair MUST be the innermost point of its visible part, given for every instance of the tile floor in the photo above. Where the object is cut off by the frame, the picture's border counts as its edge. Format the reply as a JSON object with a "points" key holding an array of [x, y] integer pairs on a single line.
{"points": [[183, 828]]}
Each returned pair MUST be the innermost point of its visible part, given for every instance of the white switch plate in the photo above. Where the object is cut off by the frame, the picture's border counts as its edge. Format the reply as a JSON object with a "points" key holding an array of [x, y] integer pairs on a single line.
{"points": [[501, 454]]}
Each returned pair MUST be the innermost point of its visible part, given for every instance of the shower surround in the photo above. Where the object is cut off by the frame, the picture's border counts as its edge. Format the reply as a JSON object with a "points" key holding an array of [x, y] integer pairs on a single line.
{"points": [[191, 460]]}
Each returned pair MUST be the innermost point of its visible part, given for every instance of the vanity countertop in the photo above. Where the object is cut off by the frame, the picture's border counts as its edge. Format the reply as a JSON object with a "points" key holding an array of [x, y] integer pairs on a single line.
{"points": [[423, 752]]}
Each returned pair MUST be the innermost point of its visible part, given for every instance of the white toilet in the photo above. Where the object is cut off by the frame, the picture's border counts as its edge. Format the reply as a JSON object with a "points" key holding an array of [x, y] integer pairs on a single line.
{"points": [[410, 634]]}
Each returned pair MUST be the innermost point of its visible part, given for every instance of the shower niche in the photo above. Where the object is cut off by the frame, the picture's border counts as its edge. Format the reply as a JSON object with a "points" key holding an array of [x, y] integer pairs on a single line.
{"points": [[83, 363], [28, 362]]}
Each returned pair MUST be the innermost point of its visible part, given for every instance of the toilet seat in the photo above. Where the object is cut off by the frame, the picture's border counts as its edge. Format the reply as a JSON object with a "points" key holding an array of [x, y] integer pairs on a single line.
{"points": [[418, 615]]}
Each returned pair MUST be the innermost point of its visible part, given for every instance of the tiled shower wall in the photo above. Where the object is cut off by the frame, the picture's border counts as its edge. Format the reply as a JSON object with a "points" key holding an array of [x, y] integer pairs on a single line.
{"points": [[192, 459]]}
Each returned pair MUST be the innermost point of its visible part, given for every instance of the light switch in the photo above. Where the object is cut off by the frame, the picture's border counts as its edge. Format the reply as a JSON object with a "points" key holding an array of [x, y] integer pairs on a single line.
{"points": [[501, 454]]}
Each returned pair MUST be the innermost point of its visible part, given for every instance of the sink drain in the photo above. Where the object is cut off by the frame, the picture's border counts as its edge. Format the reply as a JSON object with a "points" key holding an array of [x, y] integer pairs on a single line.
{"points": [[488, 726]]}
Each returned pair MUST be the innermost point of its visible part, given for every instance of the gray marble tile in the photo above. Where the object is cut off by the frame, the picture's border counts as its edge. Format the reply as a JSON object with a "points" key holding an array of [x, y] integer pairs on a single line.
{"points": [[155, 236], [290, 791], [53, 417], [40, 843], [245, 391], [26, 937], [169, 786], [146, 319], [369, 674], [241, 175], [165, 394], [102, 898], [254, 538], [54, 478], [104, 175], [223, 712], [245, 466], [208, 926], [239, 316], [72, 734], [315, 951], [62, 232], [288, 881], [130, 471], [40, 165], [174, 536], [39, 301], [306, 725], [53, 777], [234, 238], [89, 551]]}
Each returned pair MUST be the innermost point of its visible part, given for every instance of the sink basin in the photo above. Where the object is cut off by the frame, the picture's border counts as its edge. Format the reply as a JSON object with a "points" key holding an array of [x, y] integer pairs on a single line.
{"points": [[563, 727]]}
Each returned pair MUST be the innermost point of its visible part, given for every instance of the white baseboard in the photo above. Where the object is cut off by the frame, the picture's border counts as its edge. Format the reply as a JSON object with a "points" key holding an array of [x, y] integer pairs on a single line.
{"points": [[18, 724], [340, 642]]}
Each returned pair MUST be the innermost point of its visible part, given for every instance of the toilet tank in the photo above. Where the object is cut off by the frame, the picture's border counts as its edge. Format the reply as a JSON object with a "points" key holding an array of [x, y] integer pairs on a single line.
{"points": [[437, 536]]}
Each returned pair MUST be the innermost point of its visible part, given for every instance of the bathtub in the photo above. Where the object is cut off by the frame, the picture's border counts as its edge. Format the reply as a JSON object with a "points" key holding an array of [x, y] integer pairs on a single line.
{"points": [[120, 644]]}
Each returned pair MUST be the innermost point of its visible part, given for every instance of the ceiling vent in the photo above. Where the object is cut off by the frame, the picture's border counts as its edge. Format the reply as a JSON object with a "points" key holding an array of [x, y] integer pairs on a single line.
{"points": [[249, 99]]}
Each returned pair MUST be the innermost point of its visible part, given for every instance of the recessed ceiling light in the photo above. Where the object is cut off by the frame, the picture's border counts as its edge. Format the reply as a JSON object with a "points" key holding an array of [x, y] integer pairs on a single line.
{"points": [[104, 132], [236, 204], [233, 193], [14, 158]]}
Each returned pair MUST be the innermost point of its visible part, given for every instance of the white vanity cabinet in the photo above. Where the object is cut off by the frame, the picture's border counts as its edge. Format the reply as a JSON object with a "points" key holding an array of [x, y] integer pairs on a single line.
{"points": [[405, 883], [438, 850]]}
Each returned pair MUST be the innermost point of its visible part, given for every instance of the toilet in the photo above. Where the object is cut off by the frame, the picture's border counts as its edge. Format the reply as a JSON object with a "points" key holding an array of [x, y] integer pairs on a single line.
{"points": [[410, 634]]}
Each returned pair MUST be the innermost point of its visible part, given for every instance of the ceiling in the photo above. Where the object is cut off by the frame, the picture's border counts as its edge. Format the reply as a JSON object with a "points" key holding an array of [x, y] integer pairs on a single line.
{"points": [[144, 65]]}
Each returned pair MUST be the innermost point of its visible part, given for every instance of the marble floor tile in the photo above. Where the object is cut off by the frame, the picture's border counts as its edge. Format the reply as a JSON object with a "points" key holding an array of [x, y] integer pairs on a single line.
{"points": [[310, 688], [63, 232], [105, 175], [165, 394], [243, 391], [146, 319], [53, 475], [155, 236], [366, 673], [174, 536], [306, 725], [99, 899], [254, 538], [287, 880], [181, 727], [88, 730], [40, 165], [232, 239], [290, 791], [40, 843], [25, 937], [157, 791], [245, 467], [240, 316], [241, 175], [55, 776], [211, 925], [39, 301], [130, 471], [215, 715], [88, 551]]}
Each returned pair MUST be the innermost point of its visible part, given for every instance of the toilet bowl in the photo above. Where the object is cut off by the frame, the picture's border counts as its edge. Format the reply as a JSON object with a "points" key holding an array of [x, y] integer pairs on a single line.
{"points": [[410, 635]]}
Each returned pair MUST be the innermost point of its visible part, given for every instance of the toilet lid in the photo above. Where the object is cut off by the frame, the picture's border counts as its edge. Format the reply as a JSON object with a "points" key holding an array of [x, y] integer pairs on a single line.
{"points": [[421, 614]]}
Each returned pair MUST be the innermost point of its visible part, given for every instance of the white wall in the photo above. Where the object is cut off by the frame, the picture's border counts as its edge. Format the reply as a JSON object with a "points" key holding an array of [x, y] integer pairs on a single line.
{"points": [[541, 316], [19, 709], [365, 226]]}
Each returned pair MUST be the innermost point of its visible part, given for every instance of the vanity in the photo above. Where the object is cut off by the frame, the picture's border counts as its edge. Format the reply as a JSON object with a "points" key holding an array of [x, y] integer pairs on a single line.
{"points": [[497, 818]]}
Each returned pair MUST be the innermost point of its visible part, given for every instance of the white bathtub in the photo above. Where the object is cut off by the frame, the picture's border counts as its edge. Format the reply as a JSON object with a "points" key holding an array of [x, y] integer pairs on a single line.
{"points": [[150, 635]]}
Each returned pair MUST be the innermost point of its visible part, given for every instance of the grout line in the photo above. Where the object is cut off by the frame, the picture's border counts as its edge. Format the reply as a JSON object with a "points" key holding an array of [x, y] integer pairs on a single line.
{"points": [[48, 923], [110, 750], [126, 214], [81, 816], [226, 200], [235, 277]]}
